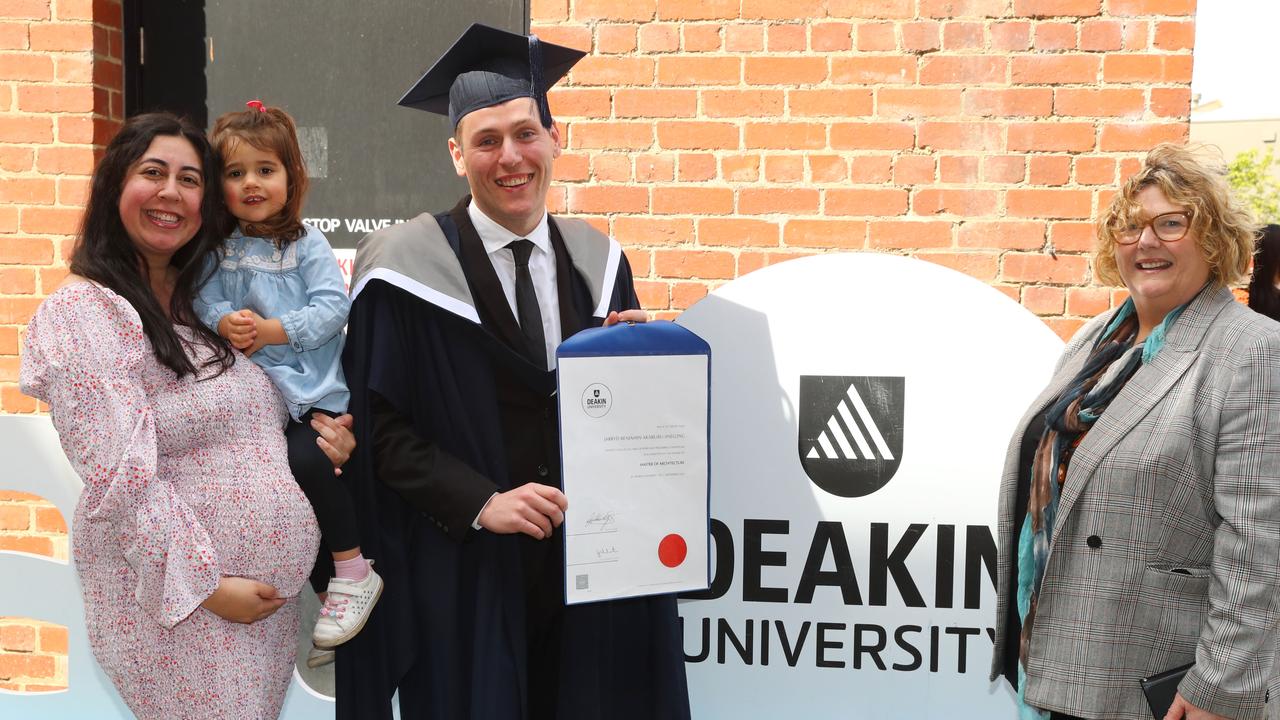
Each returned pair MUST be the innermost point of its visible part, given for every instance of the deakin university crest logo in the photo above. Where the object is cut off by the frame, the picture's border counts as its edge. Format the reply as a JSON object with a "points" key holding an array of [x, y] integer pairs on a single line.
{"points": [[850, 438]]}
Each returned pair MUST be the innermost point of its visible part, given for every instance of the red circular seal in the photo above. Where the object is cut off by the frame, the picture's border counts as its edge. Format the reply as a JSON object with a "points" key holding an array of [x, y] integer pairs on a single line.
{"points": [[672, 550]]}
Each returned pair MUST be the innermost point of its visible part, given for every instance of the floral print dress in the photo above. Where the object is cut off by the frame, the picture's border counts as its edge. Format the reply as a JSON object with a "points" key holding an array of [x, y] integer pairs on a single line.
{"points": [[185, 481]]}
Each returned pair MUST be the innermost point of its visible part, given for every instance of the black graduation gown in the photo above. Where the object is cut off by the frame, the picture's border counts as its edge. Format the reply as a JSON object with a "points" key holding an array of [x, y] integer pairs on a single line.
{"points": [[449, 632]]}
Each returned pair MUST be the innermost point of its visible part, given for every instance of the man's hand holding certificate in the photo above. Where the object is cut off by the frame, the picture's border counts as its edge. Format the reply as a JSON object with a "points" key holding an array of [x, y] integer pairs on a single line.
{"points": [[634, 431]]}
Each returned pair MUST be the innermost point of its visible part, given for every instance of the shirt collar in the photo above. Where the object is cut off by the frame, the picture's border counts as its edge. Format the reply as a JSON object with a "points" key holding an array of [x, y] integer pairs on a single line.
{"points": [[495, 237]]}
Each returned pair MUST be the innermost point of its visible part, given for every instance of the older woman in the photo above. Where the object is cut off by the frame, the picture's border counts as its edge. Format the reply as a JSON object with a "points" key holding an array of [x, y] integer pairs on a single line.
{"points": [[191, 537], [1139, 514]]}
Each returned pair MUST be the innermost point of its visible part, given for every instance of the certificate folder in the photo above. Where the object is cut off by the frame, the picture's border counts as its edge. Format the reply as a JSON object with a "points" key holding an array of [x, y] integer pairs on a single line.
{"points": [[635, 428], [1161, 688]]}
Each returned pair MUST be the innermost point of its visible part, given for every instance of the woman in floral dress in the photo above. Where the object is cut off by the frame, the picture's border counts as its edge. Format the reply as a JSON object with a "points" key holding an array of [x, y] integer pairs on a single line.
{"points": [[191, 538]]}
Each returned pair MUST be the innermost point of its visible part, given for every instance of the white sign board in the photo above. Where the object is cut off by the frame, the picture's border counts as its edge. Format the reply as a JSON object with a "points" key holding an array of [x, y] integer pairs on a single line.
{"points": [[862, 405]]}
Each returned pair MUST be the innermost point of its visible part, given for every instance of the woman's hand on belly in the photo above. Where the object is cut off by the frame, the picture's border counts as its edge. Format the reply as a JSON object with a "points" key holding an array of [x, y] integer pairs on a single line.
{"points": [[243, 600]]}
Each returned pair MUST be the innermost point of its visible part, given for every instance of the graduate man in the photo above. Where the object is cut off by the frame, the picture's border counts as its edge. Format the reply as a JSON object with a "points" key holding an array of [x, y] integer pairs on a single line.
{"points": [[451, 357]]}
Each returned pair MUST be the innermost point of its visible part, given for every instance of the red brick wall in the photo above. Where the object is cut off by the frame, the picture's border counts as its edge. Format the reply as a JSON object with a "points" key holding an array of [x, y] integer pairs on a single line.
{"points": [[714, 137], [33, 654], [60, 101]]}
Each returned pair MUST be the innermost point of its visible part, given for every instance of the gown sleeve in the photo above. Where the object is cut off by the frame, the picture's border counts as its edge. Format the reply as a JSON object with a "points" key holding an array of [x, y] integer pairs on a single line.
{"points": [[431, 480], [84, 357]]}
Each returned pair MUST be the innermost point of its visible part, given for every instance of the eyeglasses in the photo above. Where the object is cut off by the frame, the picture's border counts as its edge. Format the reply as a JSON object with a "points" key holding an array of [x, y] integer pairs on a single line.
{"points": [[1168, 227]]}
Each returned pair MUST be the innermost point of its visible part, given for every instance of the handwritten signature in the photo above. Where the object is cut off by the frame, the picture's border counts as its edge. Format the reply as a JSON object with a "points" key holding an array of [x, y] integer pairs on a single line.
{"points": [[607, 552], [601, 519]]}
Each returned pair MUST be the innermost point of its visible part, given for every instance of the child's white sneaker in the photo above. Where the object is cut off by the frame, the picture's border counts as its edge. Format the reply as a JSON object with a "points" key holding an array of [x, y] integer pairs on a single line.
{"points": [[346, 608]]}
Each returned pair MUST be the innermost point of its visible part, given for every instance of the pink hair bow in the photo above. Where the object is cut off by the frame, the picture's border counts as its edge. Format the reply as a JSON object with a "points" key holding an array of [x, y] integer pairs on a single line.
{"points": [[256, 105]]}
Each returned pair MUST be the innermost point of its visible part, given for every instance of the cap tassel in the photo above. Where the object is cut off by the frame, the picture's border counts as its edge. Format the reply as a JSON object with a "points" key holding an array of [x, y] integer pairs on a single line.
{"points": [[535, 79]]}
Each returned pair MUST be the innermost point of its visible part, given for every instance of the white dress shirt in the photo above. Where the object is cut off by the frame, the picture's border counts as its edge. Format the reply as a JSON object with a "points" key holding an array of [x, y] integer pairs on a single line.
{"points": [[542, 268]]}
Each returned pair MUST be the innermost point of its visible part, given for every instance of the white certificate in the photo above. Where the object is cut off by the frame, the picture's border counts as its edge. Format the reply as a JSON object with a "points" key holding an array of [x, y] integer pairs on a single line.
{"points": [[634, 433]]}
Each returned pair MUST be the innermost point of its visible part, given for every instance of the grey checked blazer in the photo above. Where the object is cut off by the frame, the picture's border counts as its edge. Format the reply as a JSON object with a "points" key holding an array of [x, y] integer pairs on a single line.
{"points": [[1167, 542]]}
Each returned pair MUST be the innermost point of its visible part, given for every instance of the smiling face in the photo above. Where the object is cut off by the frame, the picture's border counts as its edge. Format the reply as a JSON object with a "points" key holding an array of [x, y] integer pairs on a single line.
{"points": [[1160, 275], [160, 199], [506, 156], [254, 182]]}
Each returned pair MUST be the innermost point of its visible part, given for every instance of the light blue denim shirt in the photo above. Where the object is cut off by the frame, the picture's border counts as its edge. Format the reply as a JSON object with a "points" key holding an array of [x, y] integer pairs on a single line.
{"points": [[302, 287]]}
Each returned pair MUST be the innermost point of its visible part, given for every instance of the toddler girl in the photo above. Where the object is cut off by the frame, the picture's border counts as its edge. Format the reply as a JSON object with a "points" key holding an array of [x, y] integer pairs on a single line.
{"points": [[277, 295]]}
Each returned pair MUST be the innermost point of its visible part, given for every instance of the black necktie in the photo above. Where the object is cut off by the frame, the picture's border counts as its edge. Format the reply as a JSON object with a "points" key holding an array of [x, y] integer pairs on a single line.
{"points": [[527, 304]]}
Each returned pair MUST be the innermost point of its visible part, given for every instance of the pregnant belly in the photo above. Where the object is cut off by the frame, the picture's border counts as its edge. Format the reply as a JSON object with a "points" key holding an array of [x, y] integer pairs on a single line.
{"points": [[260, 522]]}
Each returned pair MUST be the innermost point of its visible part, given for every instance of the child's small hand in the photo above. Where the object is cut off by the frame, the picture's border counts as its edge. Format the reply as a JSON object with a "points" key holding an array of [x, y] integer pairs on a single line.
{"points": [[267, 331], [239, 328], [261, 338]]}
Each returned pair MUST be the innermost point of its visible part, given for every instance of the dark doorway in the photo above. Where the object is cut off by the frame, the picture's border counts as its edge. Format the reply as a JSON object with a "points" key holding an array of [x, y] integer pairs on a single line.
{"points": [[164, 60], [338, 67]]}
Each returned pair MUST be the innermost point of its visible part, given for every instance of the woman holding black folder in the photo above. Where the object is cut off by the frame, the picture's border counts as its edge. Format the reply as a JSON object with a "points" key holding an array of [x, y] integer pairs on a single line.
{"points": [[1139, 515]]}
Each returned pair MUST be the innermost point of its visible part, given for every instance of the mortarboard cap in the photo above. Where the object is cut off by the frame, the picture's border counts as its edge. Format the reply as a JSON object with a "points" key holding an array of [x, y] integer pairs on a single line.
{"points": [[488, 66]]}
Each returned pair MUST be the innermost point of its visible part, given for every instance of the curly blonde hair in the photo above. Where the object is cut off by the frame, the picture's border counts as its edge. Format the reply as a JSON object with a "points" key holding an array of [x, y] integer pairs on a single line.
{"points": [[1223, 227]]}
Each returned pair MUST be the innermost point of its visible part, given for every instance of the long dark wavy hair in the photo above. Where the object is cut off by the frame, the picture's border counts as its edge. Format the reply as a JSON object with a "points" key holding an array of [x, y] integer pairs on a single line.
{"points": [[105, 254], [1263, 296]]}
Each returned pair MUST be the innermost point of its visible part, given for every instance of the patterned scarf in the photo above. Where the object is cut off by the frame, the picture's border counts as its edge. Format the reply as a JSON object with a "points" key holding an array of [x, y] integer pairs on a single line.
{"points": [[1113, 360]]}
